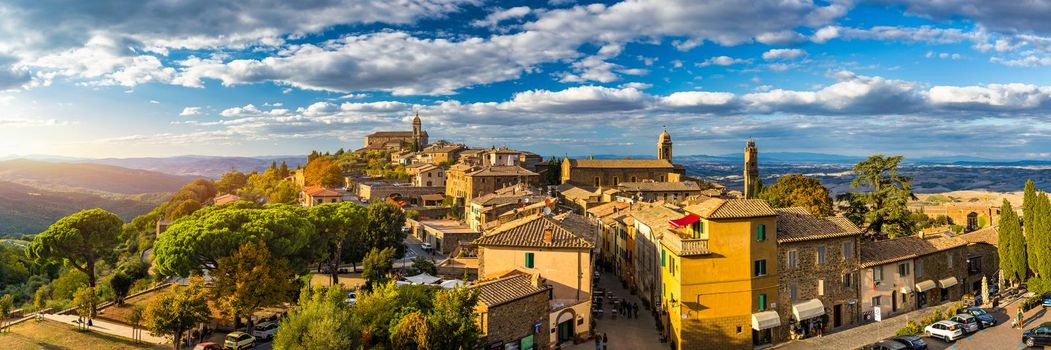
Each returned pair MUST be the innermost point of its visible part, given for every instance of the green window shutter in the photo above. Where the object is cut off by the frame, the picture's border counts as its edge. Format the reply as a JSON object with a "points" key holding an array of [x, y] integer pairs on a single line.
{"points": [[664, 259], [762, 233], [529, 260], [762, 302]]}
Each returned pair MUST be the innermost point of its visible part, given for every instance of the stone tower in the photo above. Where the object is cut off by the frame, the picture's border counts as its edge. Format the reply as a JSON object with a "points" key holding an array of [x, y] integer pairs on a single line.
{"points": [[417, 133], [664, 146], [751, 169]]}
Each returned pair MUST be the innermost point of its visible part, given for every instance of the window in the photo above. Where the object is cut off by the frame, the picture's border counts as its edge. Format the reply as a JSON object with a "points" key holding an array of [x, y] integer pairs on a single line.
{"points": [[821, 287], [848, 250], [875, 301], [950, 260], [597, 182], [903, 269], [918, 267], [820, 255], [793, 292], [762, 302], [761, 235], [633, 179], [847, 277], [793, 259], [877, 274], [663, 259], [616, 180], [760, 268], [529, 260], [974, 265]]}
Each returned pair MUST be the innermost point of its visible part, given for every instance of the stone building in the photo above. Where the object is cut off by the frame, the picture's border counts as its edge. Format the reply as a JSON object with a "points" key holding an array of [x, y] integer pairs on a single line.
{"points": [[652, 191], [971, 217], [512, 312], [751, 169], [611, 172], [904, 274], [445, 235], [463, 182], [488, 210], [414, 140], [428, 175], [441, 153], [818, 263], [983, 258], [543, 245], [315, 195], [651, 222]]}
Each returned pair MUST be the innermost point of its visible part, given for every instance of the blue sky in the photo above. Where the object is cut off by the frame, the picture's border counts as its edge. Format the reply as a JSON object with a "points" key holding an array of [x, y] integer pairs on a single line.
{"points": [[262, 77]]}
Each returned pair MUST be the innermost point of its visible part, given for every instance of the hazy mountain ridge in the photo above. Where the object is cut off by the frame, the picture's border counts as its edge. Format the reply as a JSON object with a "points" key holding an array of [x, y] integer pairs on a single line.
{"points": [[90, 177], [26, 210], [199, 166]]}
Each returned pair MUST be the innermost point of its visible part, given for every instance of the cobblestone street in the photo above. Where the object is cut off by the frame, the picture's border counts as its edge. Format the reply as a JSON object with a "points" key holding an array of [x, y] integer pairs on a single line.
{"points": [[624, 333]]}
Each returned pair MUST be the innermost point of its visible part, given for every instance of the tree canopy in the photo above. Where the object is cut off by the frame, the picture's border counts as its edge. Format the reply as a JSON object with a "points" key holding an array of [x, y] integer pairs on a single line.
{"points": [[386, 221], [321, 321], [80, 239], [177, 310], [198, 242], [376, 266], [251, 279], [1011, 245], [322, 171], [340, 229], [796, 190], [887, 212]]}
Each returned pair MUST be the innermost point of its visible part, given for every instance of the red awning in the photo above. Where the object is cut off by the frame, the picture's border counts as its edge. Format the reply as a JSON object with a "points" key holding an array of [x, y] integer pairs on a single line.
{"points": [[685, 220]]}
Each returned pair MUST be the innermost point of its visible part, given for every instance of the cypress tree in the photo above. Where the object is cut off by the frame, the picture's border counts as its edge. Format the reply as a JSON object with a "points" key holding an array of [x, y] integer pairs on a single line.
{"points": [[1028, 221], [1042, 235], [1003, 238]]}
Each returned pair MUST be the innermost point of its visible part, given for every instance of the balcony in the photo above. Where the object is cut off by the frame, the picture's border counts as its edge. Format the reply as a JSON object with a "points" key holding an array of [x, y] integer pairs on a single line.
{"points": [[686, 246]]}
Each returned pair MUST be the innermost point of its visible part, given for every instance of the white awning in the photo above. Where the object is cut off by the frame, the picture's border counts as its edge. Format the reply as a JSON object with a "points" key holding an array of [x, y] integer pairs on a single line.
{"points": [[808, 309], [947, 282], [925, 286], [765, 320], [906, 290]]}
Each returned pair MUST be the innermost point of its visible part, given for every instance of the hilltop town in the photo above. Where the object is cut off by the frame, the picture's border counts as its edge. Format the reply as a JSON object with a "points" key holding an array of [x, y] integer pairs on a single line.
{"points": [[547, 253]]}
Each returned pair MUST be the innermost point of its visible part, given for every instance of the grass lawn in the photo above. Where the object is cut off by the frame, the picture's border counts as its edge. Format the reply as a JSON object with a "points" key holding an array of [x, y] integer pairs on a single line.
{"points": [[45, 334], [348, 280], [120, 313]]}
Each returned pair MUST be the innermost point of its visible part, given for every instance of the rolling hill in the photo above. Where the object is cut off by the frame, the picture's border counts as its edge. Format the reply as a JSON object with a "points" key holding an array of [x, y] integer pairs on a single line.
{"points": [[88, 177], [27, 210]]}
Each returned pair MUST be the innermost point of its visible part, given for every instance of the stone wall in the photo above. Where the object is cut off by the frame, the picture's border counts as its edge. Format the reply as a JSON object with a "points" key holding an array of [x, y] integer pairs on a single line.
{"points": [[990, 264], [937, 266], [733, 332], [805, 278], [512, 321]]}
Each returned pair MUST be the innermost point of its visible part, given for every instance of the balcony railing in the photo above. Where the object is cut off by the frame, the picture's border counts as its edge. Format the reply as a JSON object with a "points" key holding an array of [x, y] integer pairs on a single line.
{"points": [[686, 246]]}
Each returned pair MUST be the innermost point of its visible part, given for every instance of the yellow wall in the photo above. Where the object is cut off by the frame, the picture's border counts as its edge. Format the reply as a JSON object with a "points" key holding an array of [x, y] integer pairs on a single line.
{"points": [[717, 292], [564, 269]]}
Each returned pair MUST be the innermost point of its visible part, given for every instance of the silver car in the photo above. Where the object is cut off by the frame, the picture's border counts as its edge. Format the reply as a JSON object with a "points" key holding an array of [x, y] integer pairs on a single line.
{"points": [[969, 322]]}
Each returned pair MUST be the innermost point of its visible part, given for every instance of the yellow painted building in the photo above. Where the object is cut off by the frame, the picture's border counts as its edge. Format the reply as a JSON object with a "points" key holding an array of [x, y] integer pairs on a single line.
{"points": [[719, 275]]}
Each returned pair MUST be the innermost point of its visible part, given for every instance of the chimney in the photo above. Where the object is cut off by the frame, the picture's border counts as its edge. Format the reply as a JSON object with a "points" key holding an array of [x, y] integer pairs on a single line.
{"points": [[548, 235], [534, 279]]}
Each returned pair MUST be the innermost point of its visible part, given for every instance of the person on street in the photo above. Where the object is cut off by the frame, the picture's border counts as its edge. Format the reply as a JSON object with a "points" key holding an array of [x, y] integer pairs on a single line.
{"points": [[1018, 318]]}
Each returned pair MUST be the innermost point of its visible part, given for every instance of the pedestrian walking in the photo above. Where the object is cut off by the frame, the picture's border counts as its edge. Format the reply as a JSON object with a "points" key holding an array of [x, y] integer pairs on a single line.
{"points": [[598, 342], [636, 307], [1018, 318]]}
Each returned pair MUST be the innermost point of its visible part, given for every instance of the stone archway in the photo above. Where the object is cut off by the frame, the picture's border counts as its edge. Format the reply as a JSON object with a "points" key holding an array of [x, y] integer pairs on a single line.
{"points": [[565, 325]]}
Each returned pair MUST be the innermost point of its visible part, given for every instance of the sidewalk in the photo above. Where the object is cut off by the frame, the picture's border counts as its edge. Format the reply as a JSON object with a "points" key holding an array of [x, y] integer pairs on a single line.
{"points": [[110, 328], [624, 333]]}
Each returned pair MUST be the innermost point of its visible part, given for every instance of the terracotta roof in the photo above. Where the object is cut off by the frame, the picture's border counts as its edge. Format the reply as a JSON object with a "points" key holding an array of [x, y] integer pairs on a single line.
{"points": [[442, 149], [988, 235], [580, 225], [717, 208], [507, 289], [621, 163], [797, 224], [655, 216], [604, 209], [433, 197], [513, 170], [898, 249], [226, 198], [648, 186], [529, 232], [315, 191]]}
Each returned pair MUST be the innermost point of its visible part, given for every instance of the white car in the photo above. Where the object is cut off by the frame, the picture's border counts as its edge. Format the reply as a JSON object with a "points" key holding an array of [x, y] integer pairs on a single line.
{"points": [[426, 247], [969, 322], [946, 330], [352, 298], [265, 330]]}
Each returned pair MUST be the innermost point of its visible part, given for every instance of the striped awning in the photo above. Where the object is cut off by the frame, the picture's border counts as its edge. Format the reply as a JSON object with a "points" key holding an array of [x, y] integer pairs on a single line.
{"points": [[906, 290], [765, 320], [947, 282], [925, 286], [808, 309]]}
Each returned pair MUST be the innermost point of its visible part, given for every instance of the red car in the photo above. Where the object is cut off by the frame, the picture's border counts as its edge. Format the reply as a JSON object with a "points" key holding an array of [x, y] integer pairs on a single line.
{"points": [[207, 346]]}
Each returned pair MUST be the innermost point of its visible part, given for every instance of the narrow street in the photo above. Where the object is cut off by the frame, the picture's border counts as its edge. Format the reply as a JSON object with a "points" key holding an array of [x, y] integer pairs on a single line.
{"points": [[622, 332]]}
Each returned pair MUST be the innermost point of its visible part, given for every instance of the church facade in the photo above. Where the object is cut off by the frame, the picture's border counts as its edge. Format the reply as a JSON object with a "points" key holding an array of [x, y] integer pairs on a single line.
{"points": [[612, 172], [414, 140]]}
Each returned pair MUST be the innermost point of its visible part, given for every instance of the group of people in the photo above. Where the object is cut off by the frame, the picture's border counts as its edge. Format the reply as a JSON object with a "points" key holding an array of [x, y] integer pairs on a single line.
{"points": [[629, 310], [601, 341]]}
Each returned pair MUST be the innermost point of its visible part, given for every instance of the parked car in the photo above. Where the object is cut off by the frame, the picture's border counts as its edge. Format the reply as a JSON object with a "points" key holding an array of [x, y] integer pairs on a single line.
{"points": [[1046, 302], [911, 342], [969, 322], [984, 318], [352, 298], [994, 290], [265, 330], [886, 345], [1041, 335], [207, 346], [945, 330], [239, 340]]}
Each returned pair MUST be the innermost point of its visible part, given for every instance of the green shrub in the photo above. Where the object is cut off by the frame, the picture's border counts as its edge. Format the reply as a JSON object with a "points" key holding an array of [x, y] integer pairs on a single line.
{"points": [[911, 328]]}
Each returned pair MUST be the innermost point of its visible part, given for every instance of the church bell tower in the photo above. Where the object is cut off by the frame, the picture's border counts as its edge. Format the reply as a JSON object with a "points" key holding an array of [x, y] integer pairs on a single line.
{"points": [[664, 146], [751, 170]]}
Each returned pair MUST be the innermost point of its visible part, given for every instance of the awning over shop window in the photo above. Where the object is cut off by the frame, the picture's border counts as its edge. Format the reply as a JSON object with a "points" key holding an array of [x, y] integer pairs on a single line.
{"points": [[685, 220], [808, 309], [925, 286], [765, 320], [947, 282], [906, 290]]}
